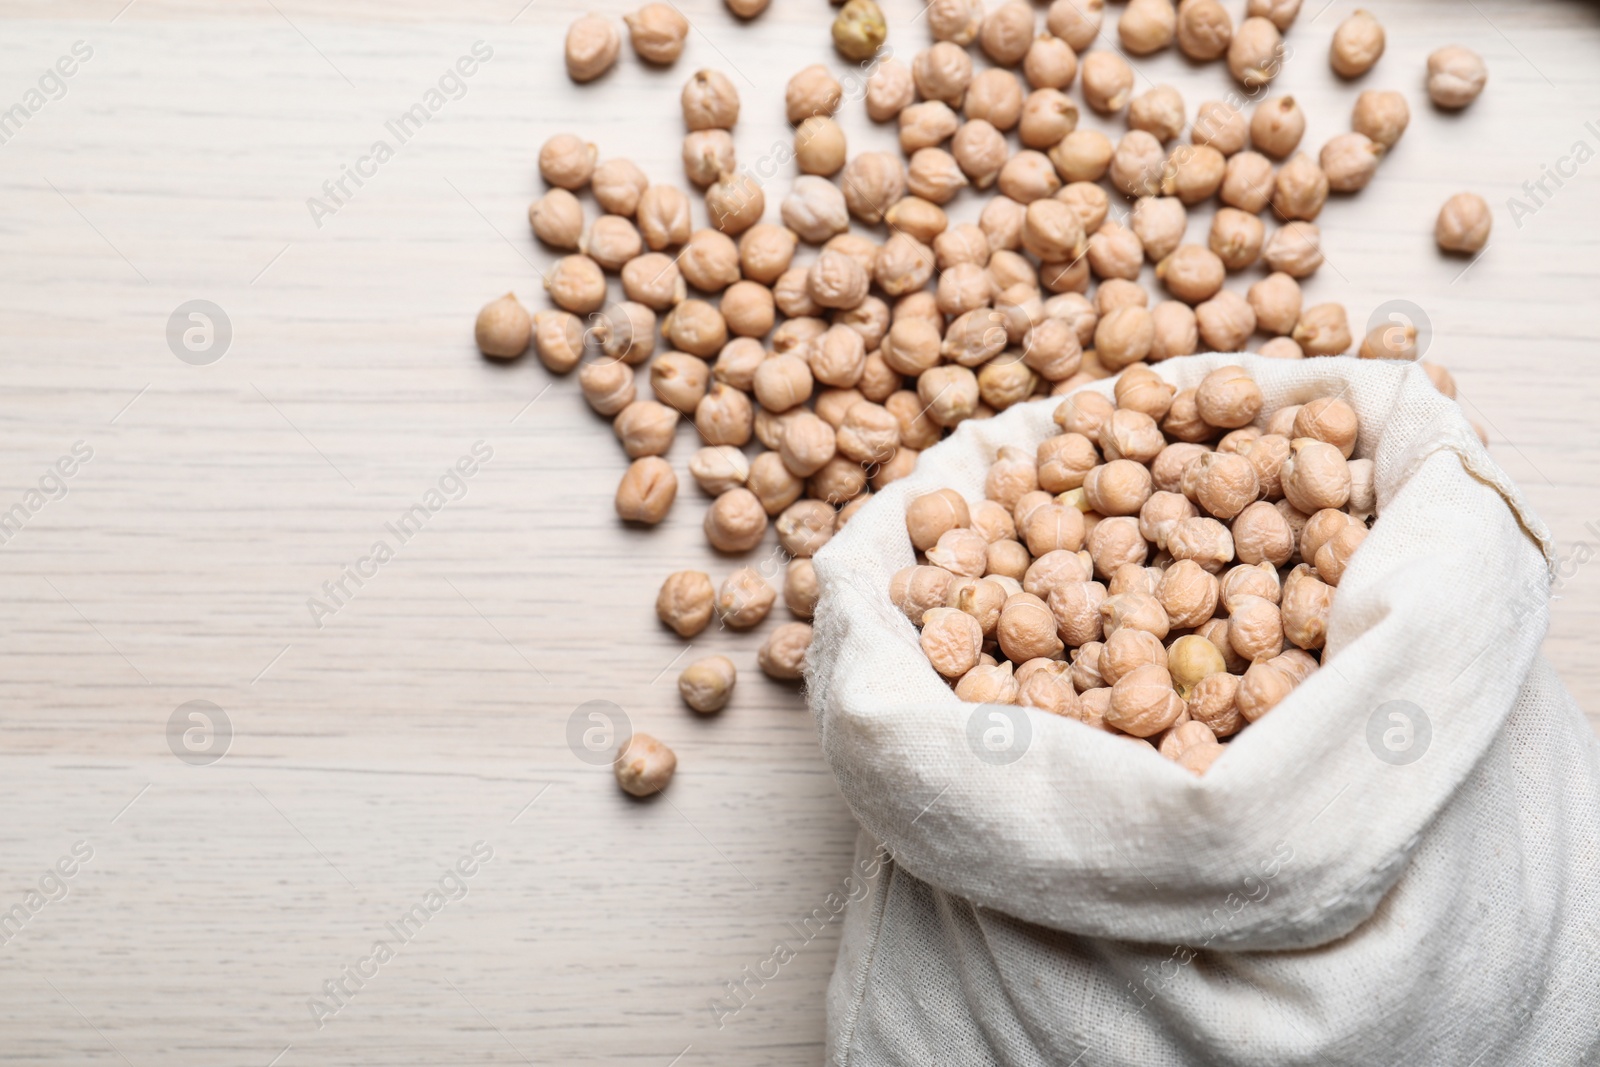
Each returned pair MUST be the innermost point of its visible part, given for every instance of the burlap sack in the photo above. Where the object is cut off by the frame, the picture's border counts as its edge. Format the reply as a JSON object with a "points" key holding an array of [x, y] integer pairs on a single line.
{"points": [[1356, 881]]}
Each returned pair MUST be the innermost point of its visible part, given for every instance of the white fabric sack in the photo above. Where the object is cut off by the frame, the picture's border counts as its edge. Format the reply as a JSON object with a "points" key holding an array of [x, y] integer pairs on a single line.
{"points": [[1313, 899]]}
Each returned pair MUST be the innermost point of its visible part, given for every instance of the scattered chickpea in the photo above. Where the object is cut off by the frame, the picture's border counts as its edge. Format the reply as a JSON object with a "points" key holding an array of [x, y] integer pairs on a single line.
{"points": [[1349, 161], [1323, 330], [557, 219], [646, 491], [1382, 116], [995, 96], [663, 217], [608, 385], [783, 656], [1051, 63], [592, 47], [1159, 222], [707, 156], [952, 640], [657, 32], [813, 91], [566, 162], [1194, 173], [1147, 26], [1082, 155], [1456, 76], [1463, 224], [1294, 249], [706, 685], [957, 21], [1216, 123], [644, 765], [1107, 81], [1357, 44], [890, 90], [504, 328], [859, 30], [744, 599], [1255, 55], [872, 182]]}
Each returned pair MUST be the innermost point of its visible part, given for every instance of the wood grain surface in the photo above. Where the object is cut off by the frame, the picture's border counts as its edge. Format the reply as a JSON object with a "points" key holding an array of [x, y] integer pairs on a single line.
{"points": [[431, 710]]}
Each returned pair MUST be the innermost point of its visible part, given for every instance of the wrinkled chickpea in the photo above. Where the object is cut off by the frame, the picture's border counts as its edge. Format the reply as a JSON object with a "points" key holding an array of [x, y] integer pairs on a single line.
{"points": [[1382, 116], [1050, 63], [1315, 476], [1357, 44], [663, 217], [995, 96], [783, 655], [1463, 224], [1138, 164], [1193, 173], [1159, 222], [645, 428], [567, 162], [1350, 160], [657, 32], [617, 185], [1301, 189], [1294, 249], [1255, 55], [800, 590], [1456, 76], [644, 766], [1159, 112], [706, 685], [872, 182], [504, 328], [1323, 330], [859, 30], [943, 72], [952, 640], [1082, 155], [685, 601], [890, 90], [744, 599], [646, 491], [1147, 26], [1228, 398], [957, 21], [593, 44], [557, 219], [812, 91], [1107, 82]]}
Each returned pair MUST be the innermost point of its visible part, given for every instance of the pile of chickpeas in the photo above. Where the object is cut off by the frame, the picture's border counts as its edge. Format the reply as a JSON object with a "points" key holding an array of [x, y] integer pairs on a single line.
{"points": [[815, 363], [1162, 569]]}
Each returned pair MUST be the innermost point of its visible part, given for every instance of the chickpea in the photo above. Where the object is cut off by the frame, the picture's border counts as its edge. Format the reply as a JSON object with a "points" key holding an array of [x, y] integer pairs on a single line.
{"points": [[1082, 156], [709, 261], [1357, 44], [870, 321], [813, 91], [1236, 237], [1191, 273], [1307, 603], [1114, 541], [576, 284], [724, 416], [1281, 13], [1350, 160], [1216, 123], [994, 522], [1262, 688], [1006, 32], [592, 47], [1224, 484], [800, 588], [872, 182], [646, 491], [1161, 512], [663, 217], [804, 527], [1319, 529], [710, 101], [1331, 420], [1076, 607], [1139, 391], [1456, 76], [645, 428], [1052, 232], [988, 684], [744, 599], [1255, 628], [557, 219], [795, 336], [1147, 26], [952, 640], [1048, 116], [1119, 487], [1247, 182], [838, 281], [957, 21], [1048, 686], [1294, 249], [926, 125], [1124, 336], [736, 521], [1277, 126], [1255, 55], [1050, 63], [684, 602], [995, 96], [1159, 112], [1126, 651], [1323, 331], [806, 444], [1204, 29], [697, 328], [870, 433], [1160, 223], [772, 484], [1440, 378], [918, 590], [943, 73], [890, 90], [567, 162], [1261, 533], [1084, 413], [657, 32], [1011, 475], [815, 209], [1463, 224], [1188, 593], [1363, 490], [1228, 398], [607, 385], [559, 337], [1301, 189], [964, 288], [1204, 540], [1027, 630], [1138, 164], [1334, 555], [1276, 301], [1381, 116], [707, 684], [1107, 81], [1258, 580], [1183, 423], [1115, 251], [504, 328], [718, 468], [1143, 701], [933, 176], [1315, 476], [1280, 348], [1194, 173], [819, 146], [707, 156], [980, 151], [644, 766], [1212, 702], [1028, 176], [859, 30]]}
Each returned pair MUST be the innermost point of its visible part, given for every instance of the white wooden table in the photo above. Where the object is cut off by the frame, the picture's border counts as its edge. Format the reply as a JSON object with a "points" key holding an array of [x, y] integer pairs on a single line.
{"points": [[430, 710]]}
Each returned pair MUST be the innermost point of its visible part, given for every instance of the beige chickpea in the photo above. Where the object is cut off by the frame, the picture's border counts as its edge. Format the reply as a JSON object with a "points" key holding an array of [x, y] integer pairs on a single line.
{"points": [[1107, 82], [1048, 686], [957, 21], [1204, 29], [1001, 222], [557, 219], [812, 91], [838, 281], [1131, 434], [679, 380], [724, 416], [771, 483], [1159, 112], [1228, 398], [1217, 123], [952, 640], [800, 590], [1006, 32], [1382, 116], [706, 685], [806, 444], [920, 219], [815, 209], [837, 357], [1294, 249], [1276, 301], [748, 309], [859, 30], [1076, 311], [932, 515], [1319, 529], [1307, 603], [1124, 336], [1277, 125], [1114, 541], [718, 468], [707, 156], [1084, 413], [1389, 340], [646, 491], [1132, 578], [710, 101], [734, 203], [804, 527], [1082, 155], [890, 90], [1255, 627], [1301, 189], [1161, 512], [576, 284], [993, 520], [1091, 204], [567, 161], [1188, 593], [684, 602], [1245, 579], [1334, 555], [1329, 419], [872, 182], [1085, 669], [943, 72], [1440, 378], [980, 151], [1005, 381], [1054, 527], [964, 288], [1051, 63], [1281, 13], [504, 328], [1463, 224], [645, 428], [1056, 568], [911, 347], [783, 382], [988, 684], [1028, 176], [974, 338], [709, 261], [592, 47], [1212, 702], [1216, 631], [1052, 231], [796, 335], [663, 217], [1159, 222], [1349, 160], [736, 521], [657, 32], [1119, 487], [1363, 487], [995, 96], [1224, 484], [933, 175], [1262, 688], [1012, 474], [1236, 441], [612, 242], [1128, 649], [869, 434], [1193, 173], [608, 385], [1138, 164], [560, 339], [697, 328], [1024, 493], [1183, 422], [1280, 348], [1315, 476], [917, 590], [1357, 44], [1261, 533], [1247, 182], [926, 125], [1144, 702], [626, 331], [1115, 252], [1063, 461], [1139, 391], [744, 599], [1076, 21], [1076, 607], [1236, 237], [1456, 76], [833, 402], [644, 766], [1147, 26], [1204, 540], [1048, 116], [1323, 330], [1255, 55], [869, 319], [1027, 630], [1191, 273]]}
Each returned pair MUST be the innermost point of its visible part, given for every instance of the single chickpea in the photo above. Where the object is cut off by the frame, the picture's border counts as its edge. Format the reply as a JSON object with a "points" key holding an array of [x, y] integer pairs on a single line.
{"points": [[1052, 231], [870, 321], [1191, 273], [1076, 21], [1280, 348], [1140, 390], [1294, 249], [1363, 487], [1119, 487], [1126, 651], [815, 209], [1064, 460], [1258, 580], [1261, 533], [1076, 607], [1463, 224], [1357, 44], [1301, 189], [1212, 701], [859, 30], [1085, 669], [1084, 413], [644, 766], [1132, 578], [869, 434], [1011, 475], [1191, 660], [1163, 511], [1051, 63], [697, 328], [684, 602], [932, 515], [1194, 173], [837, 357], [708, 155], [607, 385], [567, 162], [1054, 527], [813, 91], [1307, 603], [663, 217], [1107, 82], [1027, 630], [838, 281], [1006, 32], [593, 44], [1138, 164], [995, 96], [1456, 76], [1115, 251], [1255, 628], [1247, 182], [736, 521], [718, 468], [993, 521], [819, 146], [1262, 688], [1204, 29], [1130, 434], [1228, 398], [1323, 330], [1082, 156], [988, 683], [1028, 176], [626, 331], [1276, 301], [1048, 116], [576, 284], [1188, 593], [964, 288], [1147, 26], [1005, 381], [612, 242], [1159, 112], [1048, 687], [1277, 126], [557, 219], [724, 416], [980, 151], [1216, 123], [504, 328], [1114, 541], [800, 588], [1332, 558], [943, 73], [1315, 476], [1143, 702], [1255, 55], [796, 335], [831, 404], [1350, 160], [1319, 528], [804, 527], [748, 309], [890, 90], [957, 21], [1124, 336], [1204, 540], [1184, 424], [707, 684], [710, 101], [709, 261], [1382, 116], [872, 182], [1225, 484], [657, 32], [1236, 237], [806, 444], [1091, 204], [772, 484], [934, 176], [1281, 13], [952, 640], [1329, 419], [645, 428], [1056, 568], [1159, 222], [926, 125], [646, 491], [744, 599]]}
